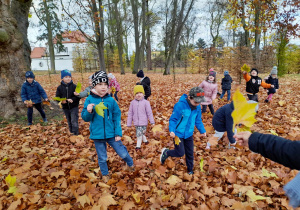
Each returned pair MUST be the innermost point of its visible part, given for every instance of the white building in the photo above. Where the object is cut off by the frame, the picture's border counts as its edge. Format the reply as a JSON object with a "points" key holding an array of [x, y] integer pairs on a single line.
{"points": [[40, 59]]}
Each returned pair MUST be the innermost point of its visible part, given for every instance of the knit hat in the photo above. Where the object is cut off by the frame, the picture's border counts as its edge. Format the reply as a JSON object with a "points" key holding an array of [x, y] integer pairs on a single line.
{"points": [[274, 70], [140, 74], [254, 69], [138, 89], [211, 69], [226, 73], [212, 73], [29, 74], [110, 75], [99, 77], [197, 94], [65, 73]]}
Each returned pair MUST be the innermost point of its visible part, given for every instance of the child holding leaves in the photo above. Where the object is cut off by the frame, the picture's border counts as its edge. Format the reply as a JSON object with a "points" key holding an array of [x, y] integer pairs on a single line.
{"points": [[104, 115], [87, 90], [273, 80], [113, 86], [186, 114], [140, 112]]}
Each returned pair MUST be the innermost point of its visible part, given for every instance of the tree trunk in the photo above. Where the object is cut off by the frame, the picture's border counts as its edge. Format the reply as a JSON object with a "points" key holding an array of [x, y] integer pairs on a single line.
{"points": [[101, 44], [143, 34], [12, 56], [148, 45], [135, 13], [257, 32]]}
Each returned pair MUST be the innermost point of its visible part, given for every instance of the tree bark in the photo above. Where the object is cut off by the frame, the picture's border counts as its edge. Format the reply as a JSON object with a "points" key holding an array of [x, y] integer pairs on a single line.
{"points": [[148, 45], [137, 61], [12, 55]]}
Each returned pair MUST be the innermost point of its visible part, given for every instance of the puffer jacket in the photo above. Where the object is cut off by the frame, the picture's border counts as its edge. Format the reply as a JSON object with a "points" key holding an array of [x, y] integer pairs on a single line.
{"points": [[140, 112], [146, 85], [226, 82], [272, 81], [33, 92], [67, 91], [210, 91]]}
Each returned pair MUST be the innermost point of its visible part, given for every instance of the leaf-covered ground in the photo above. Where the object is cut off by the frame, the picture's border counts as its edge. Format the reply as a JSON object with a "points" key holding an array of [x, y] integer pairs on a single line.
{"points": [[54, 170]]}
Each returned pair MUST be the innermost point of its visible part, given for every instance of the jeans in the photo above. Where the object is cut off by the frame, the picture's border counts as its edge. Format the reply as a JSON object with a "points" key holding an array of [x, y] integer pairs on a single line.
{"points": [[211, 108], [116, 95], [252, 97], [185, 147], [118, 146], [38, 106], [72, 118], [228, 94]]}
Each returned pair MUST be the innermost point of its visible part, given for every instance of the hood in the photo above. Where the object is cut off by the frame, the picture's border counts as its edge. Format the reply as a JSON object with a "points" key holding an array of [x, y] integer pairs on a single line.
{"points": [[64, 84]]}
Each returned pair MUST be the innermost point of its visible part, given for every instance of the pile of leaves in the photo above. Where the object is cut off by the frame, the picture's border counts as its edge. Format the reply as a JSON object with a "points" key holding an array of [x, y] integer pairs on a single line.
{"points": [[43, 167]]}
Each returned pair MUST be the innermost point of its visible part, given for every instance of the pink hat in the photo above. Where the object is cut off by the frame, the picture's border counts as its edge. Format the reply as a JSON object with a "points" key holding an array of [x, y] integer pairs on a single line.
{"points": [[211, 69]]}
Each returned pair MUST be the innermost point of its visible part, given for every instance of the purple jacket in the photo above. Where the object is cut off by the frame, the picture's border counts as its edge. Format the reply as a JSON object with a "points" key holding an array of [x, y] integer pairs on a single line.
{"points": [[140, 112], [210, 91]]}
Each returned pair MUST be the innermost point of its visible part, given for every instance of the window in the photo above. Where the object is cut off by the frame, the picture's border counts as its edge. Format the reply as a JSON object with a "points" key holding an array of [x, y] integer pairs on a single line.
{"points": [[63, 50], [41, 64]]}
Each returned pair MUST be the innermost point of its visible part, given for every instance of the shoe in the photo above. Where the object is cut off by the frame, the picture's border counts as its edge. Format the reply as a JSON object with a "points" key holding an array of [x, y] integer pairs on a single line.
{"points": [[131, 168], [163, 155], [231, 146], [29, 124], [191, 173], [146, 143], [137, 149], [45, 120], [266, 101], [105, 178], [207, 147]]}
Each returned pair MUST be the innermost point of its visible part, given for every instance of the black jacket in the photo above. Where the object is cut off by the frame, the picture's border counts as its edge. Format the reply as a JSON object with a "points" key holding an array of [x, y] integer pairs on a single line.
{"points": [[272, 81], [146, 84], [280, 150], [67, 91], [226, 82]]}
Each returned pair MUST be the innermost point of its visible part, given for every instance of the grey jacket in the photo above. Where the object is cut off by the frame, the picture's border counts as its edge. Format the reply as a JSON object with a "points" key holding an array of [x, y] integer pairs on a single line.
{"points": [[85, 93]]}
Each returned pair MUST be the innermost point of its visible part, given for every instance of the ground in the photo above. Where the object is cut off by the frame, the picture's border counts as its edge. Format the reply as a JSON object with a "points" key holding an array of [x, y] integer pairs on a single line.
{"points": [[54, 170]]}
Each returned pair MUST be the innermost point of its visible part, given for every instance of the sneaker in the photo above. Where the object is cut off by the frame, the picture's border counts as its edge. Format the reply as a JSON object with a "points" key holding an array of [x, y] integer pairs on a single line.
{"points": [[146, 143], [266, 101], [137, 149], [131, 168], [106, 178], [29, 124], [191, 173], [231, 146], [163, 155], [45, 120]]}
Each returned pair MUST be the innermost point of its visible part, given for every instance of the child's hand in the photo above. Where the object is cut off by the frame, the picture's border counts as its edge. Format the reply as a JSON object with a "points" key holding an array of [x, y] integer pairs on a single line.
{"points": [[25, 102], [244, 72], [70, 100], [64, 101], [172, 134], [242, 138], [76, 94], [203, 135], [272, 86], [89, 108], [46, 99], [117, 138]]}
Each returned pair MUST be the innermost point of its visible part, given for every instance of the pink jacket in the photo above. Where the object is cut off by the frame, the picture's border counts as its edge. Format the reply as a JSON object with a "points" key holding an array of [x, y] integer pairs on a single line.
{"points": [[210, 91], [114, 83], [140, 112]]}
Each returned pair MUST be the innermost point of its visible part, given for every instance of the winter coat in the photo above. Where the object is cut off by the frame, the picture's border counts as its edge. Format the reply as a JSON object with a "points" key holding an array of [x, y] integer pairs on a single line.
{"points": [[85, 93], [114, 83], [140, 112], [105, 127], [67, 91], [146, 85], [253, 83], [210, 91], [272, 81], [280, 150], [226, 82], [33, 92], [183, 119]]}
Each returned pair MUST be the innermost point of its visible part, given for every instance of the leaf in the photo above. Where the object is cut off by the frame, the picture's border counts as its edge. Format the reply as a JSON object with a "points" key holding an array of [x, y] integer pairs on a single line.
{"points": [[100, 109], [273, 132], [4, 159], [213, 140], [201, 165], [281, 103], [83, 200], [46, 103], [173, 180], [136, 197], [78, 87], [266, 173], [157, 128], [246, 68], [113, 90], [128, 205], [59, 99], [177, 140], [10, 180], [106, 200], [243, 112], [57, 174], [29, 15], [253, 197]]}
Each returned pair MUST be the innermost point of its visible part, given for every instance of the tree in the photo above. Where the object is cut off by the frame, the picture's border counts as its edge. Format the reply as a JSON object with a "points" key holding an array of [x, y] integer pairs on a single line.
{"points": [[14, 53], [200, 44]]}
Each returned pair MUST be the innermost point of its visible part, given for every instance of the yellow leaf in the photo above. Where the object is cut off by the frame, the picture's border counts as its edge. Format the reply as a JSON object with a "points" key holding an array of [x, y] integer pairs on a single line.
{"points": [[83, 200], [60, 105], [243, 112], [78, 87], [4, 159], [100, 109], [266, 173], [245, 68], [157, 128], [201, 165], [44, 208], [29, 15], [13, 190], [59, 99], [281, 103], [253, 197], [172, 180], [234, 167], [273, 132], [177, 140], [11, 180], [136, 197], [113, 90]]}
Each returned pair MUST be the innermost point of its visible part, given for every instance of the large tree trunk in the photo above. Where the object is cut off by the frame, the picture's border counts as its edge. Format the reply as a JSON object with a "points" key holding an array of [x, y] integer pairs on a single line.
{"points": [[257, 32], [148, 44], [12, 55], [137, 61]]}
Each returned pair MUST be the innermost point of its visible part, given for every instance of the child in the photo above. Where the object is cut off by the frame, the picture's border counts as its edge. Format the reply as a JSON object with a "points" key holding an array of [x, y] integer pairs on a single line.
{"points": [[145, 81], [273, 80], [210, 90], [33, 91], [87, 90], [186, 114], [107, 128], [252, 84], [140, 112], [70, 106], [226, 85], [113, 86]]}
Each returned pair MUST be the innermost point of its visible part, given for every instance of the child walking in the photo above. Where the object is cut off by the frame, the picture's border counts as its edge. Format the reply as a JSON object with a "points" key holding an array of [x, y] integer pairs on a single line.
{"points": [[105, 123], [210, 88], [31, 95], [186, 114], [226, 85], [113, 86], [70, 106], [253, 82], [140, 112], [145, 81], [273, 80], [86, 91]]}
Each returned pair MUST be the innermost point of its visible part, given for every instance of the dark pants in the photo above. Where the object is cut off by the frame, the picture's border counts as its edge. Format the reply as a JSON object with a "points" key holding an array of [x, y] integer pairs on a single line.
{"points": [[223, 93], [185, 147], [252, 97], [38, 106], [116, 95], [211, 108], [72, 117]]}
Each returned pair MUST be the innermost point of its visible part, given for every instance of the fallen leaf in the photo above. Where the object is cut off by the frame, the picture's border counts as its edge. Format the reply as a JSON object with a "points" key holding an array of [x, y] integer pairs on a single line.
{"points": [[173, 180]]}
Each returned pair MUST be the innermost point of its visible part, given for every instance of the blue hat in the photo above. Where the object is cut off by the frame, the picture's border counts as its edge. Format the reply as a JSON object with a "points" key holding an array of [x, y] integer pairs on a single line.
{"points": [[140, 74], [65, 73], [29, 74], [226, 73]]}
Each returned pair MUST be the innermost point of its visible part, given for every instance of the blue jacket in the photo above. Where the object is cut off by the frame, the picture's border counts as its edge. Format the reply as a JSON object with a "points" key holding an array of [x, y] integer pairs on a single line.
{"points": [[222, 120], [107, 127], [33, 92], [183, 119], [226, 82]]}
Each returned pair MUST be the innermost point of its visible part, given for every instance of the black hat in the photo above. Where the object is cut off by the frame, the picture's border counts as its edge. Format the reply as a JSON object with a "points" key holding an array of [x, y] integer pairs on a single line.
{"points": [[140, 74], [254, 69], [98, 77]]}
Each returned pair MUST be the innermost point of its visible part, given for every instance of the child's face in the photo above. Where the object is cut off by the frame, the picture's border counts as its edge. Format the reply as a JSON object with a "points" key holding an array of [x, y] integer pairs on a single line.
{"points": [[90, 82], [193, 102], [101, 88], [109, 78], [211, 78], [139, 96], [30, 80], [274, 75], [67, 79], [253, 73]]}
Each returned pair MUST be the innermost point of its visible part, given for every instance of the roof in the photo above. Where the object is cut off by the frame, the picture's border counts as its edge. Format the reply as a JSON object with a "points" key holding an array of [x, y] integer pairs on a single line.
{"points": [[38, 52], [72, 37]]}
